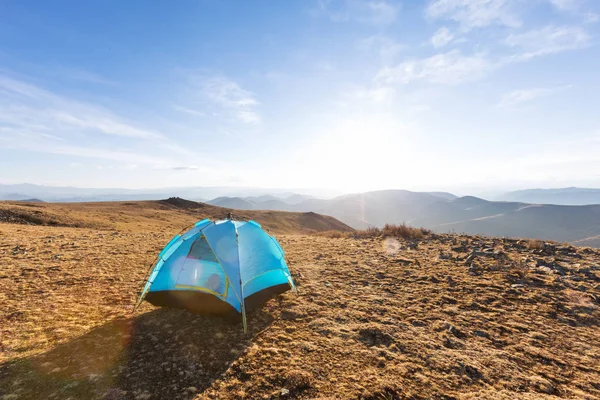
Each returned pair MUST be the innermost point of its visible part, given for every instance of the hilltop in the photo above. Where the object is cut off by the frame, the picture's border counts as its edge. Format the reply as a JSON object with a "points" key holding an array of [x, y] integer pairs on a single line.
{"points": [[436, 316], [172, 213]]}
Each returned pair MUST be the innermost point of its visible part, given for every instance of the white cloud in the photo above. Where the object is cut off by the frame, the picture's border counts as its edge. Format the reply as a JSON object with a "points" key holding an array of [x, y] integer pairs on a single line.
{"points": [[441, 37], [475, 13], [24, 105], [445, 68], [228, 93], [16, 142], [185, 168], [387, 47], [566, 5], [82, 75], [518, 97], [375, 94], [453, 67], [377, 12], [249, 117], [547, 40], [190, 111], [230, 96], [35, 119], [325, 66]]}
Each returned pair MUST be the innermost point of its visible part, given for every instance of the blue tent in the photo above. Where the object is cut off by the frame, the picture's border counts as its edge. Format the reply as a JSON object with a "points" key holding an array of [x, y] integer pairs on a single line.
{"points": [[218, 268]]}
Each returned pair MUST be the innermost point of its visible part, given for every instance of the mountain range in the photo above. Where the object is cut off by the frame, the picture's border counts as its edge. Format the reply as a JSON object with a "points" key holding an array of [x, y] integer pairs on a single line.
{"points": [[65, 194], [526, 216], [571, 196], [444, 212]]}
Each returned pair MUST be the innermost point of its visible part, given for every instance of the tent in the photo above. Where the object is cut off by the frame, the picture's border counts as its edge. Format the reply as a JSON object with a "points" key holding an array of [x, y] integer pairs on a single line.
{"points": [[222, 267]]}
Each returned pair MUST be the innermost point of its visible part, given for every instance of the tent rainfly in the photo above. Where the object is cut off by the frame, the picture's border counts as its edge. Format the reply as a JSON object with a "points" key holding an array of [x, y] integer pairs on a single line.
{"points": [[218, 268]]}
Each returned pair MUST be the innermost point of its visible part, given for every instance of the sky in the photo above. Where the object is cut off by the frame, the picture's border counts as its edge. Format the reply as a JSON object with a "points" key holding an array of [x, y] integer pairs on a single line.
{"points": [[351, 95]]}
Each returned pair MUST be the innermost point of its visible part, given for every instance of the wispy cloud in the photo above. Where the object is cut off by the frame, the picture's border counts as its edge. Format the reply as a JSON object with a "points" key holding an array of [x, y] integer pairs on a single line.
{"points": [[577, 7], [441, 37], [185, 168], [446, 68], [548, 40], [566, 5], [518, 97], [472, 14], [475, 13], [187, 110], [35, 119], [227, 94], [387, 47], [82, 75], [454, 67], [23, 104], [16, 142], [377, 12]]}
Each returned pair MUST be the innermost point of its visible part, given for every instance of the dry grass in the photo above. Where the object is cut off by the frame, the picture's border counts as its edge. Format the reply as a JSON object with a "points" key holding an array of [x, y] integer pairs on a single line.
{"points": [[370, 321], [141, 216], [402, 231], [534, 244]]}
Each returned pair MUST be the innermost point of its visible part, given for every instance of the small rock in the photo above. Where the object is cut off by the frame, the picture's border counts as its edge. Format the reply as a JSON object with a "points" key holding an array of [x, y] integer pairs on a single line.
{"points": [[470, 259], [544, 269], [482, 334], [289, 315], [545, 386], [285, 392], [517, 286]]}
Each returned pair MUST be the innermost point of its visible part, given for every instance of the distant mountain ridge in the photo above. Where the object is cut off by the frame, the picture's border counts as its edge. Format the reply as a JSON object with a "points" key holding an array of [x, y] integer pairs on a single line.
{"points": [[563, 196], [200, 193], [444, 212], [440, 211]]}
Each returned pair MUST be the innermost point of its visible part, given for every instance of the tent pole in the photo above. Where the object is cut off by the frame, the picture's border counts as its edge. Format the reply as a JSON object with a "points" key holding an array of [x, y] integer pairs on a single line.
{"points": [[244, 316], [242, 300]]}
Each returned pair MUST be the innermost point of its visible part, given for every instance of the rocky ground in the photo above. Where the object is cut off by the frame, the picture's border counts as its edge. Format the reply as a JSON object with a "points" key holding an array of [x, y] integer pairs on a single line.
{"points": [[444, 317]]}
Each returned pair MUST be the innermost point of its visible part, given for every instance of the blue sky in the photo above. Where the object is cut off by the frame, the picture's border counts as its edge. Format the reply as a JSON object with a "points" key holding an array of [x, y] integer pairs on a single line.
{"points": [[354, 95]]}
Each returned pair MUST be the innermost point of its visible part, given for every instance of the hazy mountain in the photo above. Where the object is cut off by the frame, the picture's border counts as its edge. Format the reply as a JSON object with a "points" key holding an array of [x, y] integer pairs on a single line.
{"points": [[550, 222], [296, 199], [444, 195], [276, 204], [564, 196], [261, 199], [372, 208], [440, 211], [74, 194], [232, 202], [14, 196], [444, 212], [266, 202]]}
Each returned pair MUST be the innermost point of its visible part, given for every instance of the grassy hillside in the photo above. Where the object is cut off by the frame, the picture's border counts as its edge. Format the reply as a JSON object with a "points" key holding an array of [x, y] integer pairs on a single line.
{"points": [[437, 317], [156, 215]]}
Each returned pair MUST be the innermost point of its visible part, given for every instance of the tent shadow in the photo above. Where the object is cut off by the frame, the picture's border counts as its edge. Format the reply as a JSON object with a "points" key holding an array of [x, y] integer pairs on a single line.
{"points": [[162, 354]]}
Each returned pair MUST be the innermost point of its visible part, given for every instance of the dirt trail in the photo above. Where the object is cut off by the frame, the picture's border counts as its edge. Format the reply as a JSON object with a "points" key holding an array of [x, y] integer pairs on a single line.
{"points": [[447, 317]]}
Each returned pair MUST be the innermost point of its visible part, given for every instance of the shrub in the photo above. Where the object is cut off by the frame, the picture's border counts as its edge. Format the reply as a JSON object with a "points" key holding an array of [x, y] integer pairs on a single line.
{"points": [[389, 230], [534, 244], [404, 231]]}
